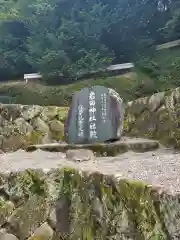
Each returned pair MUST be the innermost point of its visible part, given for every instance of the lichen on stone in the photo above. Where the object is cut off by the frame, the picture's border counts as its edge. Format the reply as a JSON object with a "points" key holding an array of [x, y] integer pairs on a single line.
{"points": [[21, 126], [26, 218], [6, 209], [157, 117], [107, 209], [62, 113], [137, 200], [33, 137], [69, 204], [21, 185]]}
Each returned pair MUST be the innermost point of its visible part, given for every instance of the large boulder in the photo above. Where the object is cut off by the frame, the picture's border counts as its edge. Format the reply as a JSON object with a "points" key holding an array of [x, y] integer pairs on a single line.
{"points": [[96, 115]]}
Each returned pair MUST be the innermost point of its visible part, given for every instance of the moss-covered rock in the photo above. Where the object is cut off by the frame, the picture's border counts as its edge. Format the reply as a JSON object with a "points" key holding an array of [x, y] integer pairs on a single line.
{"points": [[6, 209], [10, 112], [49, 113], [137, 196], [27, 218], [107, 209], [62, 113], [39, 125], [57, 129], [34, 137], [30, 112], [44, 232], [28, 191], [176, 126], [155, 117], [21, 126], [12, 143], [70, 204], [21, 185], [164, 126]]}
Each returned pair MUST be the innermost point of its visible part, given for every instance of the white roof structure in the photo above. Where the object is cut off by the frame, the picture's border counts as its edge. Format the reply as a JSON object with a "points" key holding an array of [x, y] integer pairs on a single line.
{"points": [[168, 45], [120, 66], [32, 76], [110, 68]]}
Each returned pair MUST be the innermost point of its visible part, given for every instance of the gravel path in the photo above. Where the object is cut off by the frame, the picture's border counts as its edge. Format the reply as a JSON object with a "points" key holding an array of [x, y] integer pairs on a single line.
{"points": [[160, 168]]}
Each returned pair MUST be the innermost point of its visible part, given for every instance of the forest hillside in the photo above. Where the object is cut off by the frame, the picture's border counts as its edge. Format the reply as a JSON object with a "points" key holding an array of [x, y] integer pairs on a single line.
{"points": [[63, 39]]}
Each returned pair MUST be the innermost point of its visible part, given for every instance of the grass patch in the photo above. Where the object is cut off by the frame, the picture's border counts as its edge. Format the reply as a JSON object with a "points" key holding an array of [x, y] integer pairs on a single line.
{"points": [[60, 95]]}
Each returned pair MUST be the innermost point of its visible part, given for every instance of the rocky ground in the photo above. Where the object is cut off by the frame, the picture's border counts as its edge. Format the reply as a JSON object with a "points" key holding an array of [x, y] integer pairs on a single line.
{"points": [[160, 167]]}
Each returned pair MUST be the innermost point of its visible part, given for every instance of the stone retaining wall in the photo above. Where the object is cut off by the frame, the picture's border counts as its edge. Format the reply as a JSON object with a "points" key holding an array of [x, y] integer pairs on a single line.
{"points": [[67, 204], [156, 117], [23, 125], [153, 117]]}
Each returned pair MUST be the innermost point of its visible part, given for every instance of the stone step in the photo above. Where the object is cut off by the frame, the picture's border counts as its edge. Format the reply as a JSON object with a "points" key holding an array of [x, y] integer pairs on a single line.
{"points": [[103, 149]]}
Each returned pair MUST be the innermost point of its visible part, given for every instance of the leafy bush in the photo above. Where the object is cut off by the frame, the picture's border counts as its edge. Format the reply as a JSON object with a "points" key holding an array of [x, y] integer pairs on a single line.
{"points": [[163, 67]]}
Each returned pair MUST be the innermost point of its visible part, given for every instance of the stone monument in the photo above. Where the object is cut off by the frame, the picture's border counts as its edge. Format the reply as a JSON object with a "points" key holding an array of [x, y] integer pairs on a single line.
{"points": [[96, 115]]}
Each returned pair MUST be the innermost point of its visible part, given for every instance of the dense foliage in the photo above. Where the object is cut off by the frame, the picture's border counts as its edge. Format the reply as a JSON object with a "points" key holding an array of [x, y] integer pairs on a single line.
{"points": [[71, 37]]}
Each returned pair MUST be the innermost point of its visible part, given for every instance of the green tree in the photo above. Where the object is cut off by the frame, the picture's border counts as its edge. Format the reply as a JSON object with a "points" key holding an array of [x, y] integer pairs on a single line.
{"points": [[137, 28], [172, 27], [66, 42], [74, 37], [12, 41]]}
